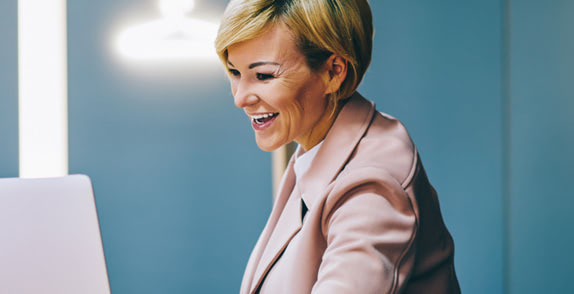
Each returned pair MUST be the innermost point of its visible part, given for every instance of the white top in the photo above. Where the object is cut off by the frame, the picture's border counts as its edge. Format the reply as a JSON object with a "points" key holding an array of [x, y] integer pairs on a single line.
{"points": [[303, 161]]}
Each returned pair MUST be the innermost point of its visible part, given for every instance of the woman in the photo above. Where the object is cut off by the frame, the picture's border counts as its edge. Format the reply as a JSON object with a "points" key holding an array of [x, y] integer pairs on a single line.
{"points": [[355, 212]]}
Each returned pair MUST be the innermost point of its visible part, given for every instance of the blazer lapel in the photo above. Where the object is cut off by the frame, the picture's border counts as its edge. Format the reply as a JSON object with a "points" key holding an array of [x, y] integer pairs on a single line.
{"points": [[287, 226], [285, 188]]}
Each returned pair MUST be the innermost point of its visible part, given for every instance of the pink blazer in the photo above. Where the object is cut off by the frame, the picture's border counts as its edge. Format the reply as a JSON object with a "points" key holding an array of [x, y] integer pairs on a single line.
{"points": [[362, 219]]}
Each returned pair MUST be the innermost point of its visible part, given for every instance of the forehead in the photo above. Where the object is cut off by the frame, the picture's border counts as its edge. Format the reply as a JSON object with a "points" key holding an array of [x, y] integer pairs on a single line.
{"points": [[277, 44]]}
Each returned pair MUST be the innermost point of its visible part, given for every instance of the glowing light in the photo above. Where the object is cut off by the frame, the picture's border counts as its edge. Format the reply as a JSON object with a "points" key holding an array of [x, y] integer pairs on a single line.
{"points": [[172, 37], [175, 8], [43, 130]]}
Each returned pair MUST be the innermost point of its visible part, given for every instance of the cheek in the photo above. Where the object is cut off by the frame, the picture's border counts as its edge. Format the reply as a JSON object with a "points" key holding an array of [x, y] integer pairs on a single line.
{"points": [[233, 84], [295, 113], [297, 102], [316, 98]]}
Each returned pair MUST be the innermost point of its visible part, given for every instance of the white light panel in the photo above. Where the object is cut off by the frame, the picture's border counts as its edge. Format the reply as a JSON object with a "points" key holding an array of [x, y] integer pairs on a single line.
{"points": [[42, 54]]}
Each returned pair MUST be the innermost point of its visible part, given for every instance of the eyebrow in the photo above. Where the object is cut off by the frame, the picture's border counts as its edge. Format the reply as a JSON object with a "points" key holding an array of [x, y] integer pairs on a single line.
{"points": [[256, 64]]}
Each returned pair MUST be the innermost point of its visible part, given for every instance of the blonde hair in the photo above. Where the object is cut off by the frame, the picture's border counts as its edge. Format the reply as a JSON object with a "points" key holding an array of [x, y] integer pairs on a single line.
{"points": [[321, 28]]}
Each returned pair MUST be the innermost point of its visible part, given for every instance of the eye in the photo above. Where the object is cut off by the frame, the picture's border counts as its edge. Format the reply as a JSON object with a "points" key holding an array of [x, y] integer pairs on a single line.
{"points": [[234, 72], [264, 77]]}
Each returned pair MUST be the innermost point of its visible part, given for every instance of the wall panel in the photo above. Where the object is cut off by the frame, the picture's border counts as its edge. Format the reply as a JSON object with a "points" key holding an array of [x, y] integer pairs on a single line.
{"points": [[9, 88], [542, 162]]}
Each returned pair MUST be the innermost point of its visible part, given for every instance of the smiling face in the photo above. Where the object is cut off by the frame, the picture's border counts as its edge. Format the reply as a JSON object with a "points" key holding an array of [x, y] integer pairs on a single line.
{"points": [[284, 99]]}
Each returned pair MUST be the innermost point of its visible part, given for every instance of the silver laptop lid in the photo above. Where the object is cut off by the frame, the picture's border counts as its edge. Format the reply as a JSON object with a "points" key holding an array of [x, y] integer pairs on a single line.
{"points": [[50, 237]]}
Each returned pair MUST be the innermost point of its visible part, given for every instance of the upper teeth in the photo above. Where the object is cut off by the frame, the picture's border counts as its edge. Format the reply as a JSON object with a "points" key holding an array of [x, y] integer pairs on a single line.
{"points": [[262, 116]]}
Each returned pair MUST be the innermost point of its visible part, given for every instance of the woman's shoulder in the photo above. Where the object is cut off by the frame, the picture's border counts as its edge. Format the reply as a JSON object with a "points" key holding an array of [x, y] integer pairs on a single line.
{"points": [[378, 171], [386, 147], [364, 148]]}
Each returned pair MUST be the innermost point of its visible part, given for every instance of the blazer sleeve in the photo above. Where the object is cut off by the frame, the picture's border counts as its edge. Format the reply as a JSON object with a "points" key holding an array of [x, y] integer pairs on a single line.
{"points": [[369, 226]]}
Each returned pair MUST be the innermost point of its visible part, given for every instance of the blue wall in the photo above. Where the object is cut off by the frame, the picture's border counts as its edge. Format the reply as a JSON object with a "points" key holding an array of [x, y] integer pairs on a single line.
{"points": [[542, 140], [8, 89]]}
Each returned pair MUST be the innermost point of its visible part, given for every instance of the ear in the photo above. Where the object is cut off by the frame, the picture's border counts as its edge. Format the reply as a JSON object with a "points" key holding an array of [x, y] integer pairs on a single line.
{"points": [[336, 70]]}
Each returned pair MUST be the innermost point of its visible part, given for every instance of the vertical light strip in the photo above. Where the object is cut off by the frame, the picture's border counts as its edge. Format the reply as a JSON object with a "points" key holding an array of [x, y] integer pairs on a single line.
{"points": [[42, 65]]}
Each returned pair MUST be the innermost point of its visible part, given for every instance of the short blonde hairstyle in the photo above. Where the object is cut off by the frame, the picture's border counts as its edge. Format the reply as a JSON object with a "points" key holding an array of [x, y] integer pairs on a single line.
{"points": [[321, 28]]}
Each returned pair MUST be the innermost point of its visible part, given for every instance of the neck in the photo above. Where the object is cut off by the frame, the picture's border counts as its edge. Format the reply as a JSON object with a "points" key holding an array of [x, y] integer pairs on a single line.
{"points": [[321, 128]]}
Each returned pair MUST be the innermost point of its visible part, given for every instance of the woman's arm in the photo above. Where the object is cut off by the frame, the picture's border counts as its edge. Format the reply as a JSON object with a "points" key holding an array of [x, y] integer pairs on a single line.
{"points": [[369, 225]]}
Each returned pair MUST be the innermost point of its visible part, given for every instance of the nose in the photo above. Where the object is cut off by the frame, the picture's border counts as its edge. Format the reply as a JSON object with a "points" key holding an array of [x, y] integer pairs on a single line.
{"points": [[243, 96]]}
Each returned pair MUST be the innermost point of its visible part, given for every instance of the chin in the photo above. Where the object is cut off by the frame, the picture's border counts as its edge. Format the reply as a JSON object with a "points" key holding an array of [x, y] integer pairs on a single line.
{"points": [[265, 146]]}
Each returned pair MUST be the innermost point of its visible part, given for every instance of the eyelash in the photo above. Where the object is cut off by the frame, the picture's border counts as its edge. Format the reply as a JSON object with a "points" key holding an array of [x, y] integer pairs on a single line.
{"points": [[264, 77], [234, 72], [259, 76]]}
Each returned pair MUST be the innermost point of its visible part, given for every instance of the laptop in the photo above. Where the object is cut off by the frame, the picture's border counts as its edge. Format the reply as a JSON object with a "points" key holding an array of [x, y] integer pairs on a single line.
{"points": [[50, 239]]}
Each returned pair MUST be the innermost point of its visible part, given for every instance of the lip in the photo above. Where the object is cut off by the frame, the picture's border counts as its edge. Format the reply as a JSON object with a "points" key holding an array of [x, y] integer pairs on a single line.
{"points": [[263, 126], [250, 114]]}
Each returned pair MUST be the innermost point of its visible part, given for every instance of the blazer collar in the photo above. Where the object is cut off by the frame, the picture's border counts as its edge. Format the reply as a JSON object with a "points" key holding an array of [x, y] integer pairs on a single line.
{"points": [[340, 142]]}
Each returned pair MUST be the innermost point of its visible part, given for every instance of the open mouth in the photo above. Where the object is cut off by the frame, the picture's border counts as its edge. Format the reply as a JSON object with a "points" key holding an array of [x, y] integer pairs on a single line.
{"points": [[263, 118]]}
